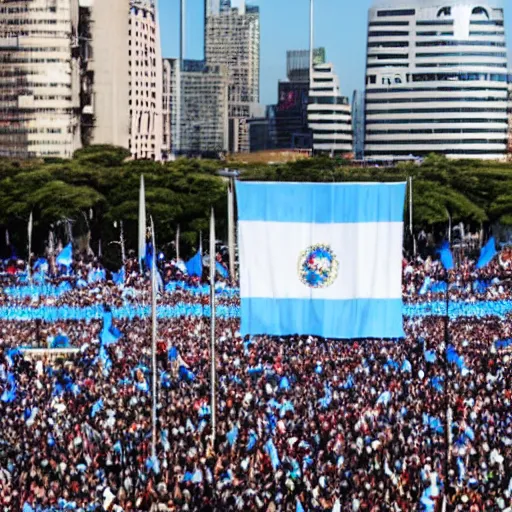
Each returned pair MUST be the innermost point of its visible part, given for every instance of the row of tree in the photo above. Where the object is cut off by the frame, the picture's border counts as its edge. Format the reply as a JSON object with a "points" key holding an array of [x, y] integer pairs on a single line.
{"points": [[98, 188]]}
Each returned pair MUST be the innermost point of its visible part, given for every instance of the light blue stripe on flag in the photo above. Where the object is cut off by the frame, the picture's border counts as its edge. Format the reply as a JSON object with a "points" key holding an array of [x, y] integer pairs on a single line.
{"points": [[343, 319], [321, 203]]}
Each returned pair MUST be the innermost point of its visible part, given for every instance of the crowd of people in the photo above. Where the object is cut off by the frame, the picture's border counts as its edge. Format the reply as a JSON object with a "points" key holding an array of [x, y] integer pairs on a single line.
{"points": [[302, 424]]}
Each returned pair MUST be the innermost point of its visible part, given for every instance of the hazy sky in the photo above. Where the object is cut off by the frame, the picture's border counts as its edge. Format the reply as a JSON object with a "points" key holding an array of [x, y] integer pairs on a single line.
{"points": [[340, 26]]}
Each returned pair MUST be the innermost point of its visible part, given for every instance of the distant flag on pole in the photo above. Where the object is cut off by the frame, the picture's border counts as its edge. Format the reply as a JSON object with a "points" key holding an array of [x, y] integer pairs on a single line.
{"points": [[65, 257], [30, 225], [142, 220], [487, 253], [221, 269], [446, 256]]}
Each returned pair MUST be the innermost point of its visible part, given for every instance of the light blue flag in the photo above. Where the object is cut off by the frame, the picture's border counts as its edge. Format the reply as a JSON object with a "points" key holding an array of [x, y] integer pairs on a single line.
{"points": [[487, 253], [119, 277], [430, 356], [109, 334], [406, 366], [321, 259], [96, 408], [65, 257], [384, 398], [232, 435], [272, 453], [221, 269], [298, 506], [284, 383], [195, 265], [425, 286], [446, 256]]}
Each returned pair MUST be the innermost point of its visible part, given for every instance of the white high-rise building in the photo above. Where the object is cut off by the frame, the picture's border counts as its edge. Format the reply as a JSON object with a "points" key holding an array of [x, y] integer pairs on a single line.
{"points": [[146, 82], [329, 116], [39, 79], [436, 79]]}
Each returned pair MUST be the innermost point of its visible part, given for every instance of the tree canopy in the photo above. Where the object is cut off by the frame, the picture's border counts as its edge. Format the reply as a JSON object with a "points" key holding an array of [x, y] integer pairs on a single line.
{"points": [[99, 187]]}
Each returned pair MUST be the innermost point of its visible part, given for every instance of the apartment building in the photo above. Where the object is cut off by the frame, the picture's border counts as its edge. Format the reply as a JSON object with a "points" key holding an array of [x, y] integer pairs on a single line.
{"points": [[39, 79], [436, 79]]}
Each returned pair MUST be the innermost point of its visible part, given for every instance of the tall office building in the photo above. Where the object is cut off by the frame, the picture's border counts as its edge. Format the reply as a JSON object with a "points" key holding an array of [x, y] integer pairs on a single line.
{"points": [[202, 127], [329, 115], [232, 39], [39, 78], [79, 72], [358, 124], [104, 53], [146, 82], [291, 116], [436, 79]]}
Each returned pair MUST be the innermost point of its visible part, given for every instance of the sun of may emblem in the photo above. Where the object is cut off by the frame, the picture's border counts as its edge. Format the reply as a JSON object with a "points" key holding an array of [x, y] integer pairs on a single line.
{"points": [[318, 266]]}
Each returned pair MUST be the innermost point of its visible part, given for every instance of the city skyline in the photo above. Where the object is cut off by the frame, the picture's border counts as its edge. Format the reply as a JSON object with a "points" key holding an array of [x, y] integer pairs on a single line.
{"points": [[340, 28]]}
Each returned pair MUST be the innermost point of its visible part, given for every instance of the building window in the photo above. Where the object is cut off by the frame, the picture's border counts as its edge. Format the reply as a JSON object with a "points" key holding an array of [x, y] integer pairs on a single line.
{"points": [[445, 11], [480, 11], [396, 12]]}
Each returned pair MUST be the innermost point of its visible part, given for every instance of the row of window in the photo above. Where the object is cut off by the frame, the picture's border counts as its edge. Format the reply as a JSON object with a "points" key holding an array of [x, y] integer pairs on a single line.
{"points": [[327, 100], [396, 12], [389, 56], [433, 100], [335, 113], [346, 144], [32, 85], [390, 90], [413, 120], [12, 60], [468, 152], [462, 77], [460, 110], [450, 42], [389, 24], [329, 121], [462, 64], [440, 142], [434, 33], [35, 49], [436, 130], [346, 131], [389, 44], [446, 11], [463, 54], [437, 77], [28, 131]]}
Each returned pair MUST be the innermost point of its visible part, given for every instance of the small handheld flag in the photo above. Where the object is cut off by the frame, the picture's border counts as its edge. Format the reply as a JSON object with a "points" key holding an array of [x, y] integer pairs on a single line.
{"points": [[65, 257], [487, 253], [446, 256]]}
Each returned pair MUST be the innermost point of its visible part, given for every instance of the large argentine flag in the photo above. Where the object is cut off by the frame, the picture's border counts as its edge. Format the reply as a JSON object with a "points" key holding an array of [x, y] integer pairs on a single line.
{"points": [[321, 259]]}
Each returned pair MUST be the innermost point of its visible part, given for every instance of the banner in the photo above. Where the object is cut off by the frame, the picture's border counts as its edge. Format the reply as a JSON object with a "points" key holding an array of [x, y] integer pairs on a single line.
{"points": [[321, 259]]}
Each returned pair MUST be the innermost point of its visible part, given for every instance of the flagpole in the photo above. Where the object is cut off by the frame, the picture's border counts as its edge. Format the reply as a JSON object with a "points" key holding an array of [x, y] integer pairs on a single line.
{"points": [[177, 243], [142, 221], [154, 372], [231, 228], [448, 437], [212, 325], [121, 239], [411, 231], [30, 224]]}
